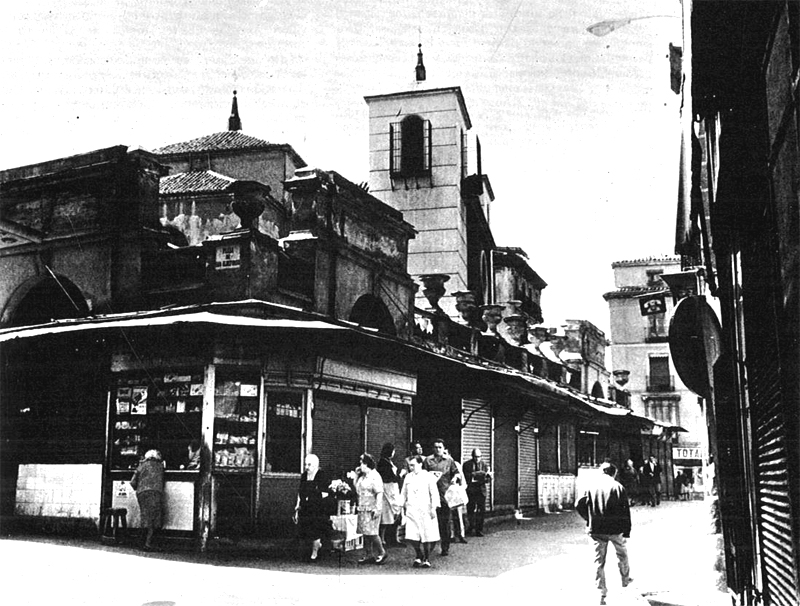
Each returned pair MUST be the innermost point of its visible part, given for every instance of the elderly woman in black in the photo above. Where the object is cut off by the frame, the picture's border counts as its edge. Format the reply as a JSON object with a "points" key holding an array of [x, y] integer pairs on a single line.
{"points": [[311, 512], [391, 494]]}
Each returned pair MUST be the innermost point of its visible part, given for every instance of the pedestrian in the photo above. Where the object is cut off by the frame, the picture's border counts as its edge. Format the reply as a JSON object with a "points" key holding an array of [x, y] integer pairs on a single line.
{"points": [[445, 471], [680, 484], [605, 507], [193, 455], [312, 509], [688, 481], [421, 502], [652, 472], [369, 488], [414, 450], [148, 482], [476, 475], [391, 494], [457, 512], [629, 478]]}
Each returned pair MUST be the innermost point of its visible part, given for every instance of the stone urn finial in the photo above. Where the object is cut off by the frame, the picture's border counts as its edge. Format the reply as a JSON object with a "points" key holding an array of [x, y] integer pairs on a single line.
{"points": [[622, 376], [433, 288], [513, 307], [466, 305], [516, 329], [248, 210], [492, 314]]}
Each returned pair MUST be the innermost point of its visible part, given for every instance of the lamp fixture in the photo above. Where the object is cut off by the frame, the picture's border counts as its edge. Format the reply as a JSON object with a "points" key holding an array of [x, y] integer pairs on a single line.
{"points": [[603, 28]]}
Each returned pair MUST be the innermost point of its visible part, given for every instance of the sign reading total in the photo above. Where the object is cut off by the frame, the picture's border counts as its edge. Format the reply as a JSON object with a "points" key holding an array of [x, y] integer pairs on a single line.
{"points": [[687, 453], [228, 257]]}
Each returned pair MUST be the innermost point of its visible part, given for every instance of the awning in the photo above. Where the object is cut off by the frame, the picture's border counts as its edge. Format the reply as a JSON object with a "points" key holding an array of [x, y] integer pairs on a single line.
{"points": [[148, 320]]}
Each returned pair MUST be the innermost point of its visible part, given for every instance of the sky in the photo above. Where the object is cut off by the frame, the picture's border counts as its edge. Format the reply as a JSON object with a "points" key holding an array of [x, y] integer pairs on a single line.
{"points": [[579, 134]]}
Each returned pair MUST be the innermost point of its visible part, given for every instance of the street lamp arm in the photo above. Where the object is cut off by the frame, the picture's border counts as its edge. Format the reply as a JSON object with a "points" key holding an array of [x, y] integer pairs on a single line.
{"points": [[603, 28]]}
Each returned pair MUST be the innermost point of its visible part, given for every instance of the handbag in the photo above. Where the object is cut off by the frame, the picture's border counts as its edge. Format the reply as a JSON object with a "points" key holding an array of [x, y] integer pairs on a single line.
{"points": [[456, 496]]}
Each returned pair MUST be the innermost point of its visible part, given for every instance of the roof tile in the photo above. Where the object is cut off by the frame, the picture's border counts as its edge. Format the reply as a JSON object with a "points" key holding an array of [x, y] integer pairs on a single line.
{"points": [[204, 181]]}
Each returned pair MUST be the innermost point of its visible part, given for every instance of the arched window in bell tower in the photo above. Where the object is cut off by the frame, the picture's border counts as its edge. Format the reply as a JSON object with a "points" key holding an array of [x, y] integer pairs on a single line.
{"points": [[410, 147]]}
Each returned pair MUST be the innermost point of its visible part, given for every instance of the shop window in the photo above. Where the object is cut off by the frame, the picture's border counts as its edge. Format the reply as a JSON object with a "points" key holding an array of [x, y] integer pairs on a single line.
{"points": [[284, 432], [236, 403], [155, 411], [587, 448]]}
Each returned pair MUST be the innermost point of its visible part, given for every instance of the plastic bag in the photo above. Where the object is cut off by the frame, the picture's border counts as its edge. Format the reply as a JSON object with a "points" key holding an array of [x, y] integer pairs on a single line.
{"points": [[456, 496]]}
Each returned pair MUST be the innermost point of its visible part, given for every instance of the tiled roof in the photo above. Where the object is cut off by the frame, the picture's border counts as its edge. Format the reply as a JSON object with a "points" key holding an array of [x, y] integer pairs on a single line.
{"points": [[203, 181], [229, 139], [665, 259], [626, 292]]}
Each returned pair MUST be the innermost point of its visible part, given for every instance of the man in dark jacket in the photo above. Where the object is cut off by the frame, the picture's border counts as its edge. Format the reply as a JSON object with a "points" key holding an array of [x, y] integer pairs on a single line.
{"points": [[606, 509]]}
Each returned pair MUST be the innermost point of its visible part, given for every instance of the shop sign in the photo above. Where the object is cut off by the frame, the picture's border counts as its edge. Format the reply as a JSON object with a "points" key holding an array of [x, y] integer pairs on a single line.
{"points": [[681, 452], [229, 256]]}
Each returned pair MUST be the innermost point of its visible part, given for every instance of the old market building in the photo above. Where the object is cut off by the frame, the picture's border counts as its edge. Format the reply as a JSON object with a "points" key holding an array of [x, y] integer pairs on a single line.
{"points": [[220, 290]]}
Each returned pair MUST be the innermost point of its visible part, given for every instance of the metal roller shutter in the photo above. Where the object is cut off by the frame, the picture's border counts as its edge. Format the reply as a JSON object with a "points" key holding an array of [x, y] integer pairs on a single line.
{"points": [[528, 490], [337, 435], [769, 426], [387, 425], [477, 433]]}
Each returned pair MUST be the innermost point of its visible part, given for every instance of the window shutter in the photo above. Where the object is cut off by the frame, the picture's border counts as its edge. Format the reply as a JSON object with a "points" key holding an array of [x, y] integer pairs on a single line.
{"points": [[395, 147], [427, 147]]}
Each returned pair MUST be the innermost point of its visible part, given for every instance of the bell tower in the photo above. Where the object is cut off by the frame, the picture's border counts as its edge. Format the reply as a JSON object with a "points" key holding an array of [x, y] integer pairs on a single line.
{"points": [[418, 165]]}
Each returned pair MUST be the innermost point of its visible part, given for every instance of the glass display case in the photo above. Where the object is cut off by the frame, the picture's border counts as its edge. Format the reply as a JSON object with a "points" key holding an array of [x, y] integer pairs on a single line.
{"points": [[155, 411], [236, 405]]}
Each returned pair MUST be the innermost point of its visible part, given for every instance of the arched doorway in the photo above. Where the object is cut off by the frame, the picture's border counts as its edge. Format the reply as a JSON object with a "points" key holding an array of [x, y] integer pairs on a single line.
{"points": [[371, 312]]}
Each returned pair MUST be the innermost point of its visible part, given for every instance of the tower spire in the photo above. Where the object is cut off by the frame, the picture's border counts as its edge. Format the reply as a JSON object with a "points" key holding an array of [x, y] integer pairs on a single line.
{"points": [[234, 122], [420, 65]]}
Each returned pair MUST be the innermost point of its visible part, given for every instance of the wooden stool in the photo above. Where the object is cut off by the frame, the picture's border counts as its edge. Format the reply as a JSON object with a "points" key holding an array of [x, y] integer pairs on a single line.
{"points": [[111, 520]]}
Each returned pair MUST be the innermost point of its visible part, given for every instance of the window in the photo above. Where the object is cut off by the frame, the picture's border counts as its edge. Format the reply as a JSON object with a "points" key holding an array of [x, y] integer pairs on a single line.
{"points": [[659, 378], [657, 326], [410, 147], [464, 155], [284, 431]]}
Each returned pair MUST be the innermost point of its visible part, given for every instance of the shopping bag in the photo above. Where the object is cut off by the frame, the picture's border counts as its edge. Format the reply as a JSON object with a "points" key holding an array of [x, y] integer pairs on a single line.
{"points": [[456, 496]]}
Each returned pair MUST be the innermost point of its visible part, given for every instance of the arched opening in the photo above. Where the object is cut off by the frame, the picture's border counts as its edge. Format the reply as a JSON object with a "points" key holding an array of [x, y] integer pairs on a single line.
{"points": [[371, 312], [45, 299], [597, 391]]}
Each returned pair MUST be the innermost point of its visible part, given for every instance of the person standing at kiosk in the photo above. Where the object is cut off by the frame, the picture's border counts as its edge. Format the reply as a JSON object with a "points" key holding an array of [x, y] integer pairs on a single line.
{"points": [[148, 482]]}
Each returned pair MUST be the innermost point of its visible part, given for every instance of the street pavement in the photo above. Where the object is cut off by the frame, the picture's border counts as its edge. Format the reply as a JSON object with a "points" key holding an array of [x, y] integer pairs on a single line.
{"points": [[542, 560]]}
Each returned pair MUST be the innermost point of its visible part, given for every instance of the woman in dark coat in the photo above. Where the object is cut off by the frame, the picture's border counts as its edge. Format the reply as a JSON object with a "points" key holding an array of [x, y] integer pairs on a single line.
{"points": [[311, 512], [391, 494]]}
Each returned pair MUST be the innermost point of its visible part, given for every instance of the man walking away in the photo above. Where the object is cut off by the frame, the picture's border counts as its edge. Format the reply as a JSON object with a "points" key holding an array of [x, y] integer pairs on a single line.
{"points": [[606, 509], [476, 474]]}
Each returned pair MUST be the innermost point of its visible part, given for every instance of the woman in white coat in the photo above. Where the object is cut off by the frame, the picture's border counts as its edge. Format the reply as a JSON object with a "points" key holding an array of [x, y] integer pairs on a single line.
{"points": [[420, 498]]}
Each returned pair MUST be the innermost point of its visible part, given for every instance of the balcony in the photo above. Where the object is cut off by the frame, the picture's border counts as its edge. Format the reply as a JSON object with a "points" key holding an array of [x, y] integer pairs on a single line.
{"points": [[660, 383], [656, 334]]}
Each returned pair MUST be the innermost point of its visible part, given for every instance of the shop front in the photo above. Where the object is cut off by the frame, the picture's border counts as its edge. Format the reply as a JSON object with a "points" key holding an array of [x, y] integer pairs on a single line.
{"points": [[254, 395]]}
